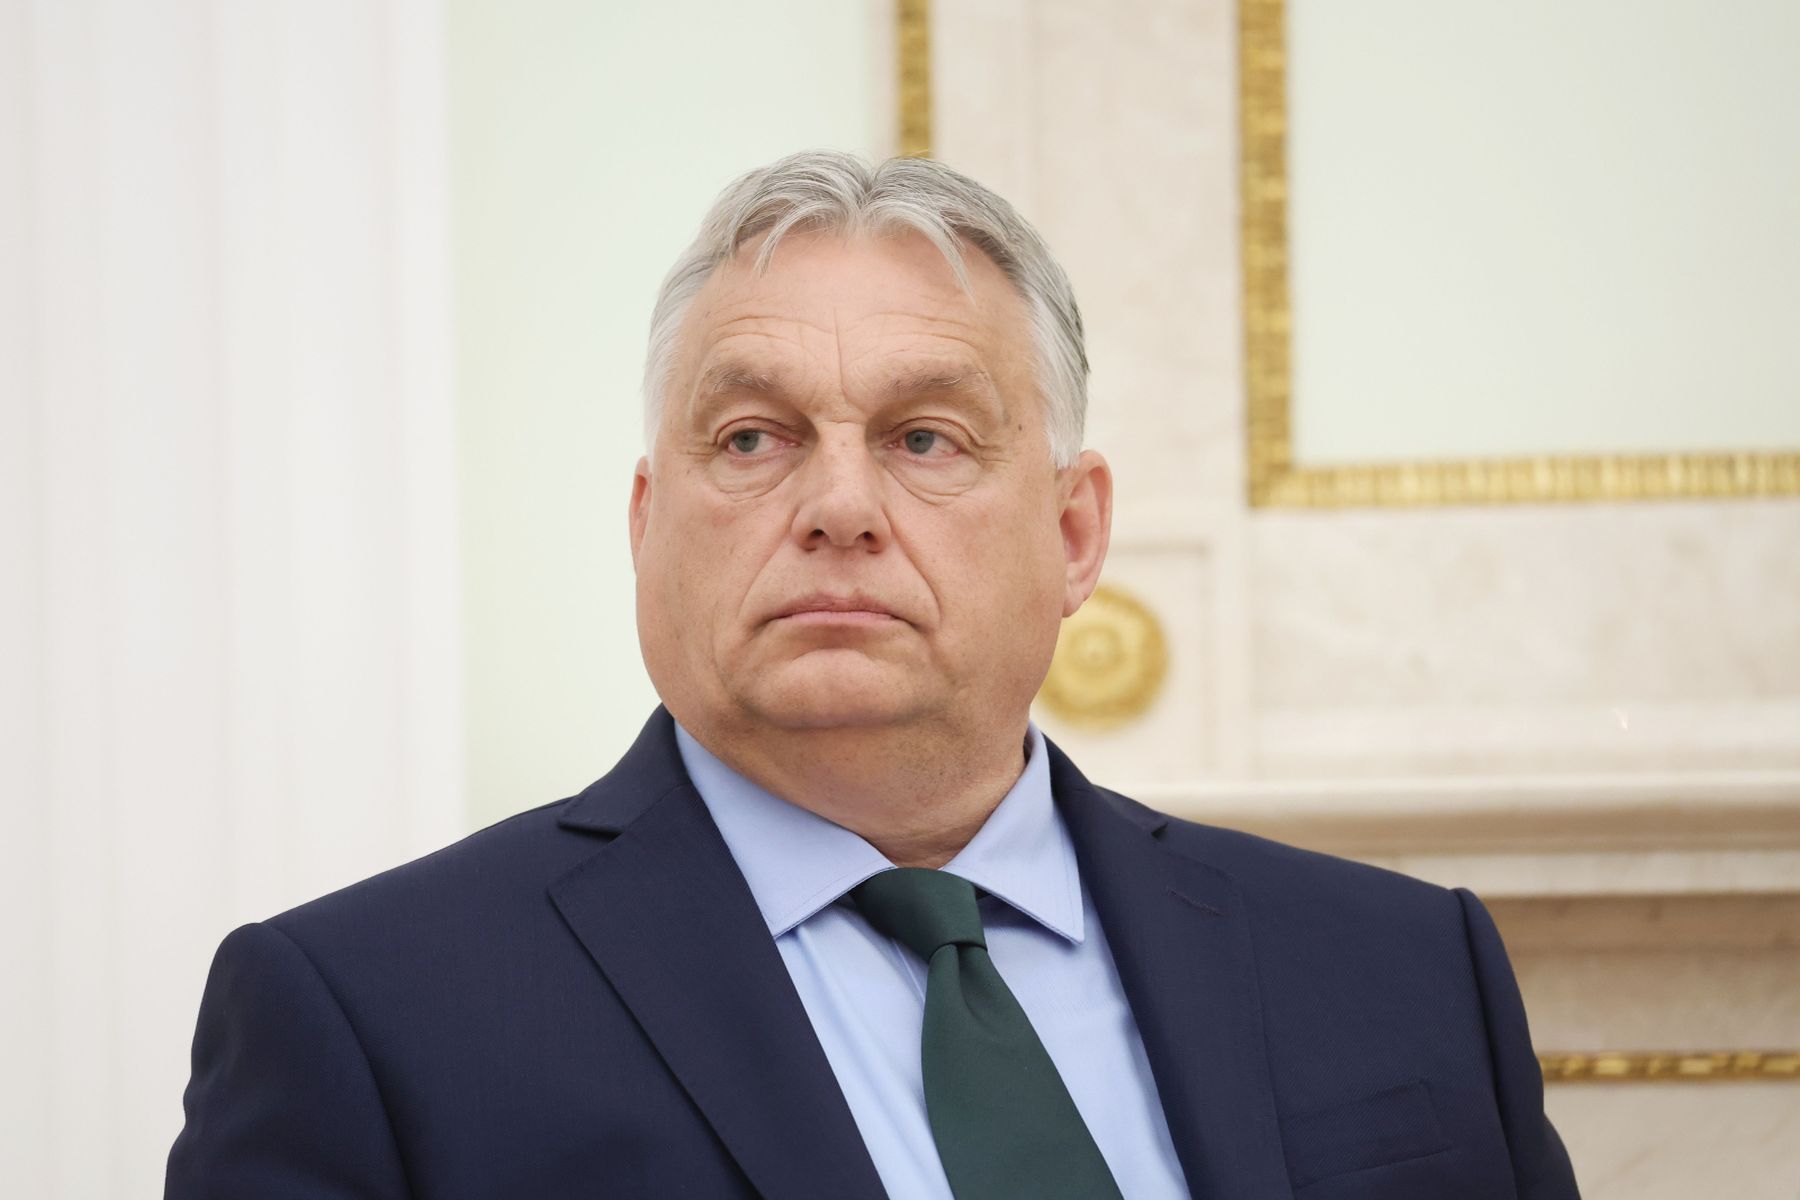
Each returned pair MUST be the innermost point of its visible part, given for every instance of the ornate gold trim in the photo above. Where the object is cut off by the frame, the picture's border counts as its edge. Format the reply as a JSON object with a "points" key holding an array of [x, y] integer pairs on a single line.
{"points": [[1111, 658], [912, 40], [1274, 478], [1617, 1066]]}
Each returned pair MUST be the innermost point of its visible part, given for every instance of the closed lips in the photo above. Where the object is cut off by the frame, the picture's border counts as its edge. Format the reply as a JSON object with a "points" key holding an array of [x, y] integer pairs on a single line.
{"points": [[827, 607]]}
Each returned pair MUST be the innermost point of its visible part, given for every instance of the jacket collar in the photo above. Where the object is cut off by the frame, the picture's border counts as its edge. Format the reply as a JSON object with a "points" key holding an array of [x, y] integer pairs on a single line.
{"points": [[649, 771], [666, 915]]}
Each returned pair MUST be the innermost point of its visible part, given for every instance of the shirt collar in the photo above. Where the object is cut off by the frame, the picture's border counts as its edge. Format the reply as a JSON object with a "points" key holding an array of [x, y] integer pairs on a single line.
{"points": [[796, 862]]}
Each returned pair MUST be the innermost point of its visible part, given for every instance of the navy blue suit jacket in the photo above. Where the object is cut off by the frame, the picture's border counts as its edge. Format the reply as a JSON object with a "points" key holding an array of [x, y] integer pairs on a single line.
{"points": [[584, 1001]]}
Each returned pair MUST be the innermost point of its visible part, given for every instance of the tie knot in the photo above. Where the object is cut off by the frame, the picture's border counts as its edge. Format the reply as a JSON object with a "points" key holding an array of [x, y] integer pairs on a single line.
{"points": [[924, 910]]}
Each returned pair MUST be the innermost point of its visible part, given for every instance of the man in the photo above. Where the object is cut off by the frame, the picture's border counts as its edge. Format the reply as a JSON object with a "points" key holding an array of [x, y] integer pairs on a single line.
{"points": [[842, 923]]}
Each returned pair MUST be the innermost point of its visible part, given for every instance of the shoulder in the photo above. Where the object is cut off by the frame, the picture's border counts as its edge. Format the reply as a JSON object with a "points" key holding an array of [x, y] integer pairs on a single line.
{"points": [[1276, 878], [479, 885], [1271, 877], [1335, 940]]}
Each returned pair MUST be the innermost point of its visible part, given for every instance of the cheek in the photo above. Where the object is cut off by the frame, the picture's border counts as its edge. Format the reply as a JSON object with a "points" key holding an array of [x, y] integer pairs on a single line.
{"points": [[1003, 574], [708, 552]]}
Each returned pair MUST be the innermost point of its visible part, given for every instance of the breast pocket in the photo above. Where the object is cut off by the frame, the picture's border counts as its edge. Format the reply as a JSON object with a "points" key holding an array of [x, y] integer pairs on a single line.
{"points": [[1388, 1126]]}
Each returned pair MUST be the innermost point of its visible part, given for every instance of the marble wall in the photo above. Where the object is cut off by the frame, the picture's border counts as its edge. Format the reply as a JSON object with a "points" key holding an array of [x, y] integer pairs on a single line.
{"points": [[1690, 973], [1589, 713]]}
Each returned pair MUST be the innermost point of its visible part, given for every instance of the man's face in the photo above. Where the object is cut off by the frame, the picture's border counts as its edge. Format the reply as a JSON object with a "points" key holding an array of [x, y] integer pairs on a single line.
{"points": [[851, 516]]}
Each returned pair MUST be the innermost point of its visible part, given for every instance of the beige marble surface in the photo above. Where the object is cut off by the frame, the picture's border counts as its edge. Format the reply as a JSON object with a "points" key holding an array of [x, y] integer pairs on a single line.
{"points": [[1536, 638], [1691, 973], [1730, 1141]]}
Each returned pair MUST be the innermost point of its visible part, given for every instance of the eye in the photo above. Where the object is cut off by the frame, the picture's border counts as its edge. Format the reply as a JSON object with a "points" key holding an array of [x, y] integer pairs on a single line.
{"points": [[746, 441], [922, 441]]}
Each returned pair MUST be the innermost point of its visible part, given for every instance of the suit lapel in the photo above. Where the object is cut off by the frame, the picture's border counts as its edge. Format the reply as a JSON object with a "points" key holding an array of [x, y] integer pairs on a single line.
{"points": [[1181, 942], [667, 916]]}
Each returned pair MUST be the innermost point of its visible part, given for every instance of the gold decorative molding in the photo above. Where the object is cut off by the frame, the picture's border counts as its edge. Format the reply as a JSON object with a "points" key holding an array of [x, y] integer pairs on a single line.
{"points": [[1110, 661], [1617, 1066], [913, 41], [1275, 480]]}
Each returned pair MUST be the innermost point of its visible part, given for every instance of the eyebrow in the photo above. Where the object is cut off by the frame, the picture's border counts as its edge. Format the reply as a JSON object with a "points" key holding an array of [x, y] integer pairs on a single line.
{"points": [[967, 381], [733, 377], [729, 377]]}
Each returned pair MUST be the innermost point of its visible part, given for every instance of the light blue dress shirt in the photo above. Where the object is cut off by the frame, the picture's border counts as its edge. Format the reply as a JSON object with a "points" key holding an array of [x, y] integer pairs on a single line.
{"points": [[865, 992]]}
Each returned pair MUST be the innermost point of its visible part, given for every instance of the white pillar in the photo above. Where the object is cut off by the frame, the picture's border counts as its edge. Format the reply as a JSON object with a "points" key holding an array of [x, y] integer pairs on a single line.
{"points": [[229, 650]]}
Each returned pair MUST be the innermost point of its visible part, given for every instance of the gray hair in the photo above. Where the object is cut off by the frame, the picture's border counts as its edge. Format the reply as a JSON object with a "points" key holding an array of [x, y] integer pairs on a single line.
{"points": [[842, 193]]}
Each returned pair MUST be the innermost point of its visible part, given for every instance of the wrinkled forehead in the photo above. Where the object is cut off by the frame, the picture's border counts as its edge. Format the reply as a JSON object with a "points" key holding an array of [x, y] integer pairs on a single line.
{"points": [[886, 305]]}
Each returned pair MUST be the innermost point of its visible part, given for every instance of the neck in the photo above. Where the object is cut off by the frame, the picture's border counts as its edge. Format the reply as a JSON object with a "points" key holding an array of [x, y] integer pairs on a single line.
{"points": [[916, 796]]}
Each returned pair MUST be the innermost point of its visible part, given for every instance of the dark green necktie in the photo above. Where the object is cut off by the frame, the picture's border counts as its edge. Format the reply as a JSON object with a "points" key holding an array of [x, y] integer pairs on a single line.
{"points": [[1003, 1121]]}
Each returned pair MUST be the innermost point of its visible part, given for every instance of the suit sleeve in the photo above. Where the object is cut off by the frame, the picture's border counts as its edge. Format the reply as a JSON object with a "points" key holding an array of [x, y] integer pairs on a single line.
{"points": [[1541, 1168], [282, 1103]]}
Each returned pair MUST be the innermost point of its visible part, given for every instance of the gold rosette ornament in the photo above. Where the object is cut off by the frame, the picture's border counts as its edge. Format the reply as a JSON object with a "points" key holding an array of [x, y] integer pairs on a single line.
{"points": [[1109, 664]]}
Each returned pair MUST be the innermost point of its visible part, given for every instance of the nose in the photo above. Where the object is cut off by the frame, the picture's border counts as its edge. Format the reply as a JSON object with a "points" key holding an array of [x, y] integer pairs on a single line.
{"points": [[840, 496]]}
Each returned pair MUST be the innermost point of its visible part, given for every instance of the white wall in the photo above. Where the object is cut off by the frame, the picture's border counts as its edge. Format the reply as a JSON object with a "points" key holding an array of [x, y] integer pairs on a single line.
{"points": [[228, 643], [1541, 227], [587, 140]]}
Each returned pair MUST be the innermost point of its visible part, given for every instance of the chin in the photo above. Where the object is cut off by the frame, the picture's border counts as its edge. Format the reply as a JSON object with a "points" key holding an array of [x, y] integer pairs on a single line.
{"points": [[828, 689]]}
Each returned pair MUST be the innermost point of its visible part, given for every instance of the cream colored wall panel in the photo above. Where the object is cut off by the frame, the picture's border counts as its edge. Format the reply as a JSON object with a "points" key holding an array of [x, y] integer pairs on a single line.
{"points": [[984, 53], [234, 524], [1427, 741], [1700, 997], [1678, 1141], [1684, 973], [28, 1066], [1529, 639], [1549, 226]]}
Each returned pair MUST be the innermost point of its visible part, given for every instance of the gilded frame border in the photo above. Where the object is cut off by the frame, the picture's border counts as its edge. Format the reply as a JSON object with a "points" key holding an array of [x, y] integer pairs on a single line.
{"points": [[1671, 1066], [1275, 480], [912, 46]]}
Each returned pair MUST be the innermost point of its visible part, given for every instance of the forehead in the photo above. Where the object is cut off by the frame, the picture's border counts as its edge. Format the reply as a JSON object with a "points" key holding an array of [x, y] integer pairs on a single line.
{"points": [[858, 303]]}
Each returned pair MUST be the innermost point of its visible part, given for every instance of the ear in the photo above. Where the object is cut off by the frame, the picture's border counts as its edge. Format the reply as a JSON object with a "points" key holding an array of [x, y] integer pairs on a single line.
{"points": [[640, 506], [1086, 523]]}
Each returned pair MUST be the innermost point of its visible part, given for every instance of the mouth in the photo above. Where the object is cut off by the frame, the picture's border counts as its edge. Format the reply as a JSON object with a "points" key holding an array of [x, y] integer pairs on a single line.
{"points": [[849, 611]]}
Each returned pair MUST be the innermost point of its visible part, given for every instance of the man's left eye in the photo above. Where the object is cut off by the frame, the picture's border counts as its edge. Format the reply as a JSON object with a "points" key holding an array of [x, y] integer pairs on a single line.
{"points": [[921, 441]]}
